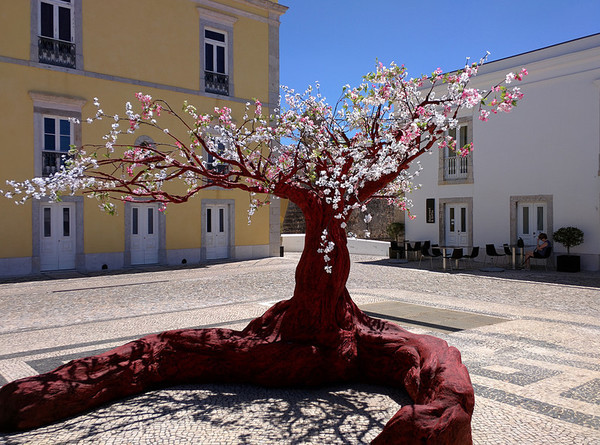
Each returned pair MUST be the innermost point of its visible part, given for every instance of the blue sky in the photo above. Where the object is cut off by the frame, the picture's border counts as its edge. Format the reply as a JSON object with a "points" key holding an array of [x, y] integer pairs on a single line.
{"points": [[336, 42]]}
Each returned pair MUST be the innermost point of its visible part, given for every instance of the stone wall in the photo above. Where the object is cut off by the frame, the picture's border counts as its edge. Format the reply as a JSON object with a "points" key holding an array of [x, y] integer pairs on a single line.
{"points": [[382, 213]]}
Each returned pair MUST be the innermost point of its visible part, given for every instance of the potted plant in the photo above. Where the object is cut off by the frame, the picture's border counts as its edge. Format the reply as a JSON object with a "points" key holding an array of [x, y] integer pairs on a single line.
{"points": [[394, 230], [568, 237]]}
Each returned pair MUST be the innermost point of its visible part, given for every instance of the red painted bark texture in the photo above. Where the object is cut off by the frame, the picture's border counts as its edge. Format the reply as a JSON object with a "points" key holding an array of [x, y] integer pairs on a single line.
{"points": [[317, 337]]}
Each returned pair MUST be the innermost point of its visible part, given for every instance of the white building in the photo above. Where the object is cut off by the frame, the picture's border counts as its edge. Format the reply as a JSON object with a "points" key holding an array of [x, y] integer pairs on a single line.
{"points": [[534, 170]]}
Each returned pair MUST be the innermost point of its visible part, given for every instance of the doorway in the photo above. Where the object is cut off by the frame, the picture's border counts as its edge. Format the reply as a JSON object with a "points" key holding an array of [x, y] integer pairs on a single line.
{"points": [[216, 232], [457, 225], [57, 237], [143, 233], [532, 219]]}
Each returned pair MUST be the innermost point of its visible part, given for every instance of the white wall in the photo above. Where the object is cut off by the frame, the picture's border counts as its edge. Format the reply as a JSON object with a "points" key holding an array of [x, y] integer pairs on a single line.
{"points": [[548, 145], [295, 243]]}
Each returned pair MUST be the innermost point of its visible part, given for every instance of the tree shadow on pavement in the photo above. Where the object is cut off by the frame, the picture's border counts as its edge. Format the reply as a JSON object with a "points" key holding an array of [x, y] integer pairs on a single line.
{"points": [[206, 414]]}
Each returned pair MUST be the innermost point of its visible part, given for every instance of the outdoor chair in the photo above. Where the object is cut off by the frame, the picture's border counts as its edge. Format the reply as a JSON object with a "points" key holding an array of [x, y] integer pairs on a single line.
{"points": [[457, 255], [474, 254], [409, 249], [546, 258], [507, 252], [426, 254], [490, 252], [414, 250], [417, 248]]}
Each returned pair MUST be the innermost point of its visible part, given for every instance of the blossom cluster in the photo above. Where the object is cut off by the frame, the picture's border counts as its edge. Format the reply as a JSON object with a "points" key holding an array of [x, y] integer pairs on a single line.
{"points": [[340, 157]]}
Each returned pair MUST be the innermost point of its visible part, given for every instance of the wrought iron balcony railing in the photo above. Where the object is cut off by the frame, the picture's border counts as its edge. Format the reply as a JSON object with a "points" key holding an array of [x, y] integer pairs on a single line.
{"points": [[216, 83], [456, 167], [56, 52], [51, 161]]}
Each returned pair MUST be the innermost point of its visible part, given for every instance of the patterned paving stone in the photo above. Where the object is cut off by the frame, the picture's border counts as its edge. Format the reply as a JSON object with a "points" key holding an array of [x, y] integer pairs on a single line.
{"points": [[535, 366], [588, 392]]}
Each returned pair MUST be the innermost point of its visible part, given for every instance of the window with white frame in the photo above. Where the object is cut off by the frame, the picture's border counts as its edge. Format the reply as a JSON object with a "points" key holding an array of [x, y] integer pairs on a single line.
{"points": [[57, 140], [216, 61], [54, 130], [56, 42], [455, 167]]}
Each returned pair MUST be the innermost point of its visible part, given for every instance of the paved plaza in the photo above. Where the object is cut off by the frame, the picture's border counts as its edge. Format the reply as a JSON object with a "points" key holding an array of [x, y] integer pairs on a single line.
{"points": [[530, 339]]}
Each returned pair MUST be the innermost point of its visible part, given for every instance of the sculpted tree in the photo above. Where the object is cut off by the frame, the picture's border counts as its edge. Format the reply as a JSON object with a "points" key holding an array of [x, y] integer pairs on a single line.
{"points": [[330, 161]]}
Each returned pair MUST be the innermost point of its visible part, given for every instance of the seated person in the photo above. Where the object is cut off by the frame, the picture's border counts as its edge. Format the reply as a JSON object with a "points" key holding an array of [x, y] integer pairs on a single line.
{"points": [[541, 251]]}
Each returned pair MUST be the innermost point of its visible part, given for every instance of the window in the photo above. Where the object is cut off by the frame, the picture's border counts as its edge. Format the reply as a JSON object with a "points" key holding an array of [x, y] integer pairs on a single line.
{"points": [[134, 220], [54, 130], [215, 62], [56, 33], [47, 222], [454, 168], [214, 164], [216, 50], [150, 211], [66, 221], [56, 143]]}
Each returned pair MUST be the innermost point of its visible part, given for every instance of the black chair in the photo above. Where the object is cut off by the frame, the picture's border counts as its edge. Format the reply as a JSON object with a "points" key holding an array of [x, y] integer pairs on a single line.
{"points": [[431, 255], [474, 254], [414, 250], [508, 253], [417, 248], [409, 250], [457, 255], [490, 251]]}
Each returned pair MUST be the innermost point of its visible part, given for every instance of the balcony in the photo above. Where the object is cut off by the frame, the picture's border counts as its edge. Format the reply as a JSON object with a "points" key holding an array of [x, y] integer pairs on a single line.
{"points": [[456, 167], [51, 161], [56, 52], [216, 83]]}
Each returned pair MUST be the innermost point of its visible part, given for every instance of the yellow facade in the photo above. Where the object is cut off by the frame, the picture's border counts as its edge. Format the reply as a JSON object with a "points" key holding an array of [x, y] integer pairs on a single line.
{"points": [[113, 50]]}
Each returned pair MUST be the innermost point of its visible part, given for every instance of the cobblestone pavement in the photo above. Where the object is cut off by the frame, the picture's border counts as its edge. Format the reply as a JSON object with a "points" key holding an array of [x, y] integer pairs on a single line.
{"points": [[535, 365]]}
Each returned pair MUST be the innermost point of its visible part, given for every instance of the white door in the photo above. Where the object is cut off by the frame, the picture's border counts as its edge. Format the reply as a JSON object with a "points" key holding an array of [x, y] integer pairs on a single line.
{"points": [[144, 234], [217, 232], [532, 220], [57, 245], [457, 225]]}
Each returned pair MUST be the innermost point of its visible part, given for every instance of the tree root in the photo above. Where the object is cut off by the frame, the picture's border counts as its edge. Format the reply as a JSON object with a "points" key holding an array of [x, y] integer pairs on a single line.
{"points": [[375, 351]]}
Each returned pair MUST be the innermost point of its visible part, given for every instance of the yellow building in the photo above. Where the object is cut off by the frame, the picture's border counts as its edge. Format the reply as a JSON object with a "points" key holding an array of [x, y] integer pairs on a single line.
{"points": [[57, 55]]}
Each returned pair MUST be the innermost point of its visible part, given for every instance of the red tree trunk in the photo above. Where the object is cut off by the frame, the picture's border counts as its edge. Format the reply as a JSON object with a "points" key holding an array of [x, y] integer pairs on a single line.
{"points": [[319, 336]]}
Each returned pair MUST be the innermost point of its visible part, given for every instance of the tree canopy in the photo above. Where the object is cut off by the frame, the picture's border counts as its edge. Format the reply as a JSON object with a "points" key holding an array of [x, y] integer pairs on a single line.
{"points": [[335, 158]]}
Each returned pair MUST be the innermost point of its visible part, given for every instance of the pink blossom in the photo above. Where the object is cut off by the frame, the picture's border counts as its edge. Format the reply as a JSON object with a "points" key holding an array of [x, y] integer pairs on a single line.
{"points": [[522, 74]]}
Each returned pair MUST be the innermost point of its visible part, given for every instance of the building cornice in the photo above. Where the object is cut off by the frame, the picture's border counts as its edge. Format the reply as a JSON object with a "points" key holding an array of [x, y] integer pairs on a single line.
{"points": [[124, 80], [267, 4], [274, 10], [57, 101], [568, 48], [216, 16]]}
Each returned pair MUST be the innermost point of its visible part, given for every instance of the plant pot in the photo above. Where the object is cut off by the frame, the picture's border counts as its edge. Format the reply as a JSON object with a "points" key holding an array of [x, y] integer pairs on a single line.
{"points": [[568, 263]]}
